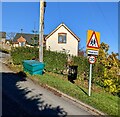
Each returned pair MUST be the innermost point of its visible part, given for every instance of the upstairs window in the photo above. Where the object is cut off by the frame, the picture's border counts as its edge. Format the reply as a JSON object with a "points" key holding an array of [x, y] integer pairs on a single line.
{"points": [[62, 37]]}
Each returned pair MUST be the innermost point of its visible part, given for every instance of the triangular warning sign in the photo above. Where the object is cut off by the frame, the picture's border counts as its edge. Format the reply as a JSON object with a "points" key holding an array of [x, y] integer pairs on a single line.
{"points": [[93, 42]]}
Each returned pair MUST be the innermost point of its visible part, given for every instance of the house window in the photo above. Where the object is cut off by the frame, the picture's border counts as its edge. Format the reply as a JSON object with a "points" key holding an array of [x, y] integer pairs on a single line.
{"points": [[62, 37], [21, 44]]}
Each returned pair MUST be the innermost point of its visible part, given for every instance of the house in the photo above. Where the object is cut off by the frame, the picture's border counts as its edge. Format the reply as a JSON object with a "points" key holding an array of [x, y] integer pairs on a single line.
{"points": [[62, 39], [31, 39], [2, 37], [8, 42], [3, 40], [20, 42]]}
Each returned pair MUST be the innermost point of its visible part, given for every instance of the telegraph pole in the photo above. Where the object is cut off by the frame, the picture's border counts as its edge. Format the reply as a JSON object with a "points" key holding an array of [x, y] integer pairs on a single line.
{"points": [[41, 30]]}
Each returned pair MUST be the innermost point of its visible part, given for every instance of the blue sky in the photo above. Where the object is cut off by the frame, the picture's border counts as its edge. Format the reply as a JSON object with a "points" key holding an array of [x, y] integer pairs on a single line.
{"points": [[78, 16]]}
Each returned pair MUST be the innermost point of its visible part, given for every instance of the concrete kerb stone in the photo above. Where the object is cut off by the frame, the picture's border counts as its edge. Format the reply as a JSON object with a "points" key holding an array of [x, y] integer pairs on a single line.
{"points": [[88, 108], [85, 106]]}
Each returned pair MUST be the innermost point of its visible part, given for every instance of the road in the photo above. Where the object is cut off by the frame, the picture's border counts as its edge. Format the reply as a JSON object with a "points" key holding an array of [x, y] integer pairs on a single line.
{"points": [[22, 97], [4, 57]]}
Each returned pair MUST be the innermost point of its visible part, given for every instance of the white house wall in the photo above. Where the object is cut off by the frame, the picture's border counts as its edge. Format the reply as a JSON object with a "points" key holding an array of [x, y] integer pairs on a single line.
{"points": [[15, 45], [71, 46]]}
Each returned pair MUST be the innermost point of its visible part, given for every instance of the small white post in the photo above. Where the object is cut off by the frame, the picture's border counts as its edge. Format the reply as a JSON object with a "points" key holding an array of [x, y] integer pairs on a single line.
{"points": [[89, 93]]}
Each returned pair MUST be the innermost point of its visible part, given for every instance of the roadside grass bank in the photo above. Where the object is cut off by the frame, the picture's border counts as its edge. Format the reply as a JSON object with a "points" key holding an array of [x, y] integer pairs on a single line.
{"points": [[105, 73], [102, 101]]}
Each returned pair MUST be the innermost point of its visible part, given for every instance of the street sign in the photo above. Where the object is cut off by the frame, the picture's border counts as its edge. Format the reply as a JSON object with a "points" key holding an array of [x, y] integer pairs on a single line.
{"points": [[92, 52], [92, 59], [93, 45], [93, 40]]}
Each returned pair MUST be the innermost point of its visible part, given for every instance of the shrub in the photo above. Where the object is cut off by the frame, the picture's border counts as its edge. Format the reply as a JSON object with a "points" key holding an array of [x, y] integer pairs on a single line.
{"points": [[54, 61], [105, 70], [23, 53]]}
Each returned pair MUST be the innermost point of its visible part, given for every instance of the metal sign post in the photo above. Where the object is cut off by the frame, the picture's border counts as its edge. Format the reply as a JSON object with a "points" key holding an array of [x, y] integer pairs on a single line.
{"points": [[89, 93], [92, 60]]}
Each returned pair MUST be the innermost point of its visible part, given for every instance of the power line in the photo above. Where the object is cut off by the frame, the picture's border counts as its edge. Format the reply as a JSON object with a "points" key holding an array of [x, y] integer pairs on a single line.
{"points": [[106, 21]]}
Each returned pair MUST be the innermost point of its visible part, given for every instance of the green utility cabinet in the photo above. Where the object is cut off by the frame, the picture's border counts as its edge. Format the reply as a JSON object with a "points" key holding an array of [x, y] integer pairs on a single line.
{"points": [[33, 67]]}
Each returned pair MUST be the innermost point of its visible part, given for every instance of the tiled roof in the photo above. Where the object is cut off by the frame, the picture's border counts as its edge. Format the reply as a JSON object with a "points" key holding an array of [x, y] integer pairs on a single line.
{"points": [[28, 37], [21, 39]]}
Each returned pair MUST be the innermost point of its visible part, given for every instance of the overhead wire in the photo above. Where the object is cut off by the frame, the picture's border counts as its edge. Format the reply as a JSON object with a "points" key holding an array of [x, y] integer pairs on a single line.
{"points": [[106, 21]]}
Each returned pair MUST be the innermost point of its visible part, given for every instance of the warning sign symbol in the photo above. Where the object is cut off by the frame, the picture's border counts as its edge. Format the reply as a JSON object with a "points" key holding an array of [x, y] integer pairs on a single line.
{"points": [[93, 42]]}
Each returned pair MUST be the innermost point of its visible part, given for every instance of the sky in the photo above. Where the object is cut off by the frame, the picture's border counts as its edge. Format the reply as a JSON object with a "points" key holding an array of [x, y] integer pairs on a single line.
{"points": [[78, 16]]}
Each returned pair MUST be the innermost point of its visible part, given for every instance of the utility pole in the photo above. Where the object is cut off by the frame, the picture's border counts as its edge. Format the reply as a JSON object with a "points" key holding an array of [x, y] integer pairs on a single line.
{"points": [[41, 29]]}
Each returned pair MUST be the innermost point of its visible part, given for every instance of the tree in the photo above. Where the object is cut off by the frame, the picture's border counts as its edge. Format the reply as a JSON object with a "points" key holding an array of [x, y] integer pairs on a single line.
{"points": [[81, 51], [11, 35], [35, 38]]}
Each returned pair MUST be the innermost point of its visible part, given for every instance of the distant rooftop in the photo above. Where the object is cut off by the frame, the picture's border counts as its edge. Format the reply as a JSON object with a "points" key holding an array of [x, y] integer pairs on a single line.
{"points": [[2, 34], [27, 36]]}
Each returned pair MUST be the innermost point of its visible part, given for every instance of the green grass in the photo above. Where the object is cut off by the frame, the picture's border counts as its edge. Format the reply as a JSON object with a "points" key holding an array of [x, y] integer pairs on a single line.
{"points": [[102, 101]]}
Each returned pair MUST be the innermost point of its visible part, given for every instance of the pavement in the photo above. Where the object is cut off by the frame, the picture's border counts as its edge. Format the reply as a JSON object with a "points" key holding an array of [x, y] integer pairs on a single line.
{"points": [[22, 97]]}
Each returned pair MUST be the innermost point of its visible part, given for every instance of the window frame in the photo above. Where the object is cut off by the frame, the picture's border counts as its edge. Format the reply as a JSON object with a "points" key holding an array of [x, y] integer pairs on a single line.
{"points": [[62, 42]]}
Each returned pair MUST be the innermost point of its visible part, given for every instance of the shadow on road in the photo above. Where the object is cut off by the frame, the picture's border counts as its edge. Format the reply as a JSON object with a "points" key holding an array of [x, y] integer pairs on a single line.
{"points": [[35, 105]]}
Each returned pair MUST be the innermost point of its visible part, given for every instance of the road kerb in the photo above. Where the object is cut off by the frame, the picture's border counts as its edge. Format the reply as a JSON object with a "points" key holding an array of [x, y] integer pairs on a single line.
{"points": [[88, 108], [85, 106]]}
